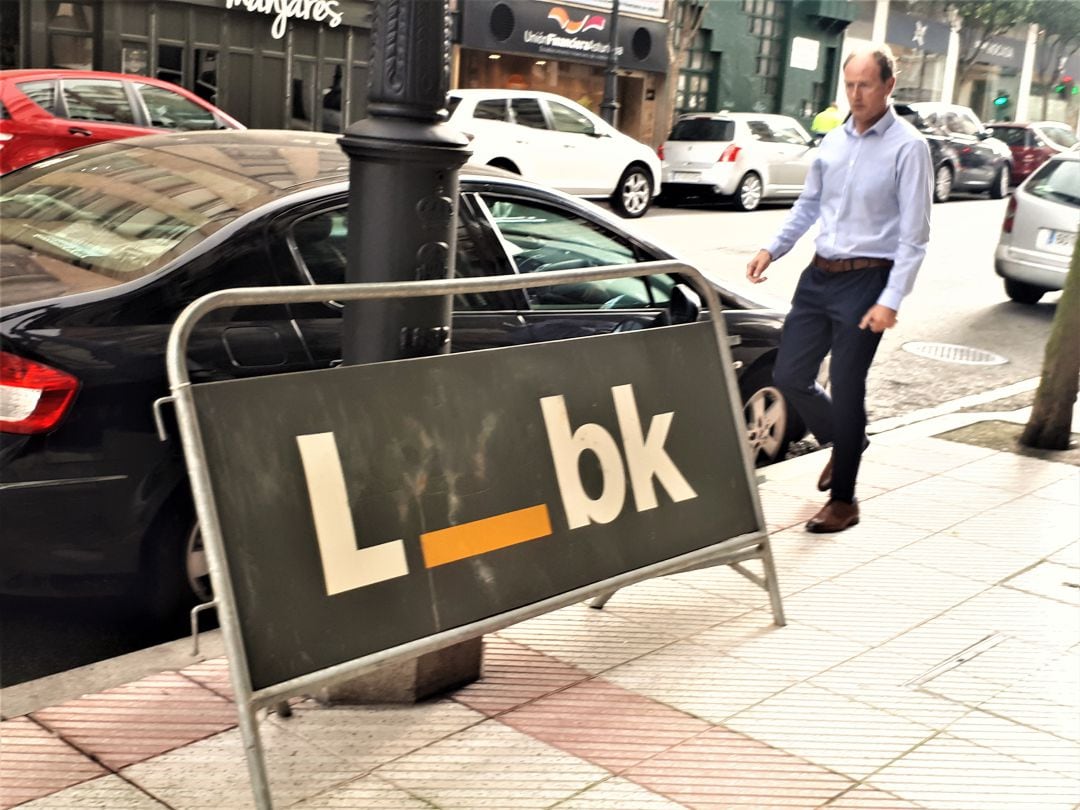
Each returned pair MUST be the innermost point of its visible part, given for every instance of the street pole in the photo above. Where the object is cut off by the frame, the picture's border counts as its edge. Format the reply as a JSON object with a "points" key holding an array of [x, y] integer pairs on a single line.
{"points": [[609, 109], [403, 197], [403, 185]]}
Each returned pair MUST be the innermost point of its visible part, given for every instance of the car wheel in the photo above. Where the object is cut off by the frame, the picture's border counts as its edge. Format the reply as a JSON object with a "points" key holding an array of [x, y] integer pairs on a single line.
{"points": [[1000, 187], [1023, 293], [748, 194], [175, 575], [765, 412], [943, 179], [633, 195]]}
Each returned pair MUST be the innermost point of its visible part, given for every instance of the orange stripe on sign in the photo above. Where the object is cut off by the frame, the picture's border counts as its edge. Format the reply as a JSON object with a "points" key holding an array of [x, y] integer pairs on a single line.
{"points": [[480, 536]]}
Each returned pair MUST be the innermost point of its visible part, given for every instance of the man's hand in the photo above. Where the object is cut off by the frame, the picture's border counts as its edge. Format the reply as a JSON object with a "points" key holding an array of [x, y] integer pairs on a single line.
{"points": [[878, 318], [756, 266]]}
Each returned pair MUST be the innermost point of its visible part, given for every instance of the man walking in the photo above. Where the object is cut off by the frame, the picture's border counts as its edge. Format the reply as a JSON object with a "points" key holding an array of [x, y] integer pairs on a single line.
{"points": [[870, 188]]}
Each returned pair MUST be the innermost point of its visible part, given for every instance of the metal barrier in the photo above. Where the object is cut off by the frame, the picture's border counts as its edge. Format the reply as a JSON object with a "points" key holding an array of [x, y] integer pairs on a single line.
{"points": [[733, 551]]}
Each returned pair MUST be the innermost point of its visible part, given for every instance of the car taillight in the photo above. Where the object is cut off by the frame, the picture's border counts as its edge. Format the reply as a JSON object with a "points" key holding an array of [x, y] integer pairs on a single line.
{"points": [[33, 397], [1010, 215], [730, 154], [660, 151]]}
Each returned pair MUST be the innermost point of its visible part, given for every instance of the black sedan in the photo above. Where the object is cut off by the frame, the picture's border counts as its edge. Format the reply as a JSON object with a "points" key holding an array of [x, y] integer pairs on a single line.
{"points": [[103, 247], [982, 162]]}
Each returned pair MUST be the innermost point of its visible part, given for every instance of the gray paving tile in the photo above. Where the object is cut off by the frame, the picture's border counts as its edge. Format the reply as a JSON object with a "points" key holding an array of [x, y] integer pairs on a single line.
{"points": [[830, 730], [1032, 618], [104, 793], [852, 613], [911, 583], [699, 681], [618, 794], [1052, 580], [1046, 751], [947, 552], [1015, 473], [491, 766], [368, 793], [672, 607], [952, 774]]}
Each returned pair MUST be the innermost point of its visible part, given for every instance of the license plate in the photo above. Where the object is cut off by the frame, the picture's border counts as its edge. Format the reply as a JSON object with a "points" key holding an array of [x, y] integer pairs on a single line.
{"points": [[686, 176], [1056, 241]]}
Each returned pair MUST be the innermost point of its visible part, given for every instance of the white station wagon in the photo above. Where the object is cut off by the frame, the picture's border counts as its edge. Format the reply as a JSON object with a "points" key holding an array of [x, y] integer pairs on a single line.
{"points": [[552, 140]]}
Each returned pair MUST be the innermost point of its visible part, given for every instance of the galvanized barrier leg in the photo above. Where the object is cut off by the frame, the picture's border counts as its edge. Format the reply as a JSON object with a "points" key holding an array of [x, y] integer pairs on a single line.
{"points": [[772, 584], [253, 751], [598, 602]]}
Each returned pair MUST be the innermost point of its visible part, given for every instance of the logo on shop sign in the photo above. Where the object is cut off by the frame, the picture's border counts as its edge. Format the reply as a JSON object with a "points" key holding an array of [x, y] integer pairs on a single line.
{"points": [[590, 22], [327, 11], [642, 458]]}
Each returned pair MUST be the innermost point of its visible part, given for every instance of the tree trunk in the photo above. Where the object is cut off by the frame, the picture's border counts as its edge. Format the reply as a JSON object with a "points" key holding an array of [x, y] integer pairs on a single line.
{"points": [[1050, 423]]}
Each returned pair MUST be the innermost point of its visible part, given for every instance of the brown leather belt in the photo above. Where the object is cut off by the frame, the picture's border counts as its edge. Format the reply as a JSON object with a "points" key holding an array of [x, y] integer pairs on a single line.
{"points": [[847, 265]]}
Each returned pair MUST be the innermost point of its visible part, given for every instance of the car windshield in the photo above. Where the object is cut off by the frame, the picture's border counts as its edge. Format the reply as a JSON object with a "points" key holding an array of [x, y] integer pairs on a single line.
{"points": [[1062, 136], [703, 129], [1057, 180], [90, 221], [1013, 136]]}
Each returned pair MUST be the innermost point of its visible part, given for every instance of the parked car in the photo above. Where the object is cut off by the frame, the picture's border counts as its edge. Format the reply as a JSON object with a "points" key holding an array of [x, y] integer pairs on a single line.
{"points": [[1031, 144], [45, 112], [985, 163], [1040, 230], [945, 156], [746, 157], [104, 246], [552, 140]]}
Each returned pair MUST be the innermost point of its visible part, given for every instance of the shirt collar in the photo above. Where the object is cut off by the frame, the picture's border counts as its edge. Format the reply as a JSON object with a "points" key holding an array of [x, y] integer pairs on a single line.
{"points": [[879, 128]]}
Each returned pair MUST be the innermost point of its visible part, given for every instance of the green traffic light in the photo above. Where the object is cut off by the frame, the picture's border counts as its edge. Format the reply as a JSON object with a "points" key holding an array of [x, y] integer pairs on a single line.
{"points": [[1001, 101]]}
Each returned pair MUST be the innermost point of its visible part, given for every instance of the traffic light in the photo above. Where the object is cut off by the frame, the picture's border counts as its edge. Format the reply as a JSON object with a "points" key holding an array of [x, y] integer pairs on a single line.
{"points": [[1001, 99], [1067, 87]]}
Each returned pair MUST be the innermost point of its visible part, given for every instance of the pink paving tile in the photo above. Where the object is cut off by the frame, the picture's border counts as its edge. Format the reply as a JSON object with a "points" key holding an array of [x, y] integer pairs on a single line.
{"points": [[722, 769], [213, 674], [514, 675], [139, 720], [35, 763], [604, 724], [867, 798]]}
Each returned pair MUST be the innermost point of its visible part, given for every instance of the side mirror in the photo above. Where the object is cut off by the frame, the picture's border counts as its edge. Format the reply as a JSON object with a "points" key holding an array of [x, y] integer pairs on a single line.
{"points": [[815, 140], [685, 304]]}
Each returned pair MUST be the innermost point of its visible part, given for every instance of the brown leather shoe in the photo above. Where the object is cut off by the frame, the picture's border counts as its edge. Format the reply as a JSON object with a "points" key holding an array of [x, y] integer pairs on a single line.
{"points": [[824, 482], [835, 516]]}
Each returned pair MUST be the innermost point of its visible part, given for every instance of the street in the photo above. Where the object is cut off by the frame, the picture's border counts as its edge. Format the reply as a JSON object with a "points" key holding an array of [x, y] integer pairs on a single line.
{"points": [[957, 300]]}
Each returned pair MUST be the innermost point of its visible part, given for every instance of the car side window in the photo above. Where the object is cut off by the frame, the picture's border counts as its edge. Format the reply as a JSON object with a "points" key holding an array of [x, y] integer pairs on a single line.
{"points": [[321, 242], [42, 93], [170, 110], [105, 102], [490, 110], [567, 120], [787, 134], [527, 113], [759, 131], [541, 238]]}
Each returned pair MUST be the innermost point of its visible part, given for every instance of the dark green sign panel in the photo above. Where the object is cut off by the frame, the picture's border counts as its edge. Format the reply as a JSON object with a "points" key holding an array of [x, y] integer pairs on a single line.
{"points": [[368, 506]]}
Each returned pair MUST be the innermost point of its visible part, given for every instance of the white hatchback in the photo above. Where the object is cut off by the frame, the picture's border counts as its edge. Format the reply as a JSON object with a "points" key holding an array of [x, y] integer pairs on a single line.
{"points": [[748, 157], [550, 139], [1040, 229]]}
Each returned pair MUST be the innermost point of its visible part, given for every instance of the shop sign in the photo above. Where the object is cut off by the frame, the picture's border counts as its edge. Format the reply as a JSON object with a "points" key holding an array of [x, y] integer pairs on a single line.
{"points": [[562, 31], [1002, 51], [917, 33], [327, 11], [641, 8], [804, 53]]}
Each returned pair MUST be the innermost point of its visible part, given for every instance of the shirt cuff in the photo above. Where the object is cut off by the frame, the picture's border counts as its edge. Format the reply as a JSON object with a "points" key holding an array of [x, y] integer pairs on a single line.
{"points": [[891, 299]]}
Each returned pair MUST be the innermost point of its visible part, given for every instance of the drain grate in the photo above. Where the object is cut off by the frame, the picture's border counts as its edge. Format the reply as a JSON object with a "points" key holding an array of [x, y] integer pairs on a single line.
{"points": [[951, 353]]}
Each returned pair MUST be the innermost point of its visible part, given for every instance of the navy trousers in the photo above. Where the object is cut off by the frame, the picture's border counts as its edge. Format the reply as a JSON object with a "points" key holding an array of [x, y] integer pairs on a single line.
{"points": [[824, 316]]}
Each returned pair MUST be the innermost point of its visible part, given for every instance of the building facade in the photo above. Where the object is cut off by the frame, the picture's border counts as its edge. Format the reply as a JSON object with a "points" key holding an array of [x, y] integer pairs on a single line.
{"points": [[268, 69]]}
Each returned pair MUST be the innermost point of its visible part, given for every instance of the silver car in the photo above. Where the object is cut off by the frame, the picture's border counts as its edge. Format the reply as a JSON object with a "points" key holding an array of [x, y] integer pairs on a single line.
{"points": [[748, 157], [1038, 235]]}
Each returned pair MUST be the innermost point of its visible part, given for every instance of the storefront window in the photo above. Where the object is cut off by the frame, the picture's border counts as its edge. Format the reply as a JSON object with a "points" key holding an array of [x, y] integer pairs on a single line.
{"points": [[71, 37], [171, 63], [9, 34], [206, 81], [695, 85]]}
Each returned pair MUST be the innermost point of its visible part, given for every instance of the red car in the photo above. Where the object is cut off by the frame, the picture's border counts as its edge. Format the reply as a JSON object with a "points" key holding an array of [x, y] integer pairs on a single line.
{"points": [[1032, 144], [45, 112]]}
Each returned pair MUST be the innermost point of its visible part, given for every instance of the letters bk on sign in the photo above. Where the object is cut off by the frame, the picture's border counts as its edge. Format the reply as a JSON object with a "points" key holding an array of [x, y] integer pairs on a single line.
{"points": [[468, 485]]}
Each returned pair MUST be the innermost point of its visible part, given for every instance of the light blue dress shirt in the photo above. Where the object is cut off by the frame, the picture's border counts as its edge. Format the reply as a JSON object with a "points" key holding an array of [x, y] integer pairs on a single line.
{"points": [[872, 193]]}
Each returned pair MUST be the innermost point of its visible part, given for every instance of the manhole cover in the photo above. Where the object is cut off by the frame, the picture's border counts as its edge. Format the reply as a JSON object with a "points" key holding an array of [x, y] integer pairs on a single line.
{"points": [[951, 353]]}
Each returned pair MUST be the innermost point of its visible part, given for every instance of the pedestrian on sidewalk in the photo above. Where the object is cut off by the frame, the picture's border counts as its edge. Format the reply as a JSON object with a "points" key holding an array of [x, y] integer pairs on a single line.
{"points": [[870, 189], [828, 119]]}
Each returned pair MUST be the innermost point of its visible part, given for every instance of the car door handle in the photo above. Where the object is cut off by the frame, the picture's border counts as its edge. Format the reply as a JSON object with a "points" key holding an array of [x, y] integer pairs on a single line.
{"points": [[80, 131]]}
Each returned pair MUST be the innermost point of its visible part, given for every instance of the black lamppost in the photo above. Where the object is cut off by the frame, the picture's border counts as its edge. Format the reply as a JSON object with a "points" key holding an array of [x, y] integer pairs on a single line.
{"points": [[609, 108], [403, 197], [403, 185]]}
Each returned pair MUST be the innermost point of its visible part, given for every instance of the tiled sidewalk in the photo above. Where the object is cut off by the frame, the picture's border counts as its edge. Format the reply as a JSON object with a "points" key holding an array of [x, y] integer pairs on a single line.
{"points": [[931, 660]]}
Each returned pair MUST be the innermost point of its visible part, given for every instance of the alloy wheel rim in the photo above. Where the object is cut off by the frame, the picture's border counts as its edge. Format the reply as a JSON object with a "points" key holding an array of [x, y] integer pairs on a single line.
{"points": [[944, 183], [635, 193], [196, 566], [751, 192], [766, 422]]}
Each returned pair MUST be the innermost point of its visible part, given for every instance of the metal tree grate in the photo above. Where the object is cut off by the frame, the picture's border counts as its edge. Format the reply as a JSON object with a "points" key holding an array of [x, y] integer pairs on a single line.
{"points": [[951, 353]]}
